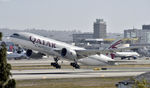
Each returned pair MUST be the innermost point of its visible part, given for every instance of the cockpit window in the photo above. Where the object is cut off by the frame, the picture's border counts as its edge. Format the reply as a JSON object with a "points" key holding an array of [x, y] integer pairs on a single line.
{"points": [[15, 34]]}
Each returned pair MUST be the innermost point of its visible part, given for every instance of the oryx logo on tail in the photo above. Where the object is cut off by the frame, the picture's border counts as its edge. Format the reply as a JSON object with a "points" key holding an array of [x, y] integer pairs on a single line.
{"points": [[114, 45]]}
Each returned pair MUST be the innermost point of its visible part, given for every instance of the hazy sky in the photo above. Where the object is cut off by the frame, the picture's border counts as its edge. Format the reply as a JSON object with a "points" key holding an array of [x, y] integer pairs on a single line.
{"points": [[74, 14]]}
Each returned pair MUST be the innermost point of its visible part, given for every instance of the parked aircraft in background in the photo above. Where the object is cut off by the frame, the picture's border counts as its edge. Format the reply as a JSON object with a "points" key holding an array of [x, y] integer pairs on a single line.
{"points": [[63, 50], [12, 53], [123, 54], [128, 55], [15, 55]]}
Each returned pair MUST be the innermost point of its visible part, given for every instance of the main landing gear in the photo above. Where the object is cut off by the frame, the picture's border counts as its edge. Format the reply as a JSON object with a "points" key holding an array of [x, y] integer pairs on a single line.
{"points": [[75, 65], [55, 64]]}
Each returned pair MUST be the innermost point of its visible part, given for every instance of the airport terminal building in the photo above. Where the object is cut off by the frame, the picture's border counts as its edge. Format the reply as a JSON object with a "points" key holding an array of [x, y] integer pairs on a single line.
{"points": [[143, 34]]}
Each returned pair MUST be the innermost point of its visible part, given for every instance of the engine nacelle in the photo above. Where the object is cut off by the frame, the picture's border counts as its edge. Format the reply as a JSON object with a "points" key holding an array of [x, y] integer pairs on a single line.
{"points": [[29, 52], [32, 54], [68, 54]]}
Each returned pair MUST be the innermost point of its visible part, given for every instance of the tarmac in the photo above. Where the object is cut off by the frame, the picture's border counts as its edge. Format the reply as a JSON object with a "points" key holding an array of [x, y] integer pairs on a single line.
{"points": [[71, 73]]}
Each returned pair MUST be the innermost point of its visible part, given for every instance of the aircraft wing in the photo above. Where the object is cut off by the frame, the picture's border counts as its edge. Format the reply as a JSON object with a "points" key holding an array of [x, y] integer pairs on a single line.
{"points": [[86, 53]]}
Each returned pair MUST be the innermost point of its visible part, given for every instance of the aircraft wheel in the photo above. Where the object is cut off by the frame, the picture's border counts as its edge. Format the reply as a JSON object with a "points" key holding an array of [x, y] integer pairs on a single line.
{"points": [[53, 64], [72, 64], [56, 65], [77, 66]]}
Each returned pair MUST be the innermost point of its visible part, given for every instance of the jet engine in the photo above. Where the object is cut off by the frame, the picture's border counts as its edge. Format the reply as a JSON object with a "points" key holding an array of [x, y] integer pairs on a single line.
{"points": [[29, 52], [68, 53], [33, 54]]}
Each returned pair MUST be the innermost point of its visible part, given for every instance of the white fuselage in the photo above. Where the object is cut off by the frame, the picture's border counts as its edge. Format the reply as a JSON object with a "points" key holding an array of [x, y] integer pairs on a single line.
{"points": [[126, 54]]}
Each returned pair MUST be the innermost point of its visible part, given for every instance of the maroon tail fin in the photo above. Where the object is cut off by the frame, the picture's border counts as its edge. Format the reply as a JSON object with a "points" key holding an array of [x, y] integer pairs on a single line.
{"points": [[114, 44], [112, 56]]}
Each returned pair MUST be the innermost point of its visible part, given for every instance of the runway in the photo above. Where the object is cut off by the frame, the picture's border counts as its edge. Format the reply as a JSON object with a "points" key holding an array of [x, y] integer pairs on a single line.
{"points": [[69, 73]]}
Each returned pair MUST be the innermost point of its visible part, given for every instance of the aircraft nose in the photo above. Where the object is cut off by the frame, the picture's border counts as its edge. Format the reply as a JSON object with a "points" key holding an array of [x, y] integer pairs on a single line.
{"points": [[15, 35]]}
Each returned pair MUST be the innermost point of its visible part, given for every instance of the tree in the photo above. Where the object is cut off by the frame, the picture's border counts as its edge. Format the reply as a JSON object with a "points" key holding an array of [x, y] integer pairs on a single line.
{"points": [[141, 84], [1, 36], [5, 81]]}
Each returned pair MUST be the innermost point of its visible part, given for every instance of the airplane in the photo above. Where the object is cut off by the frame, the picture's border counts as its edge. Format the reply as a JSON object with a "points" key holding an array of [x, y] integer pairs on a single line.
{"points": [[11, 53], [128, 55], [59, 50], [123, 54], [15, 55]]}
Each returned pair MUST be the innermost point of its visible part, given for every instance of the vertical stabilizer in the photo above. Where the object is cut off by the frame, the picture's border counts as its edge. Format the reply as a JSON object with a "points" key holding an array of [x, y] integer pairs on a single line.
{"points": [[115, 44]]}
